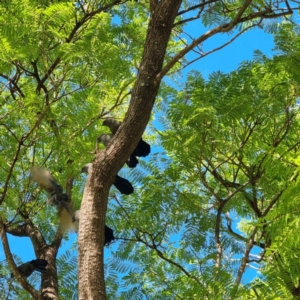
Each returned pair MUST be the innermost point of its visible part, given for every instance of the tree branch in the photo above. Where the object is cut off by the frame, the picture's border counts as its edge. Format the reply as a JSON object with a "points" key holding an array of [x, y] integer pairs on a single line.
{"points": [[13, 266], [219, 29], [15, 159], [195, 7], [108, 162], [245, 258]]}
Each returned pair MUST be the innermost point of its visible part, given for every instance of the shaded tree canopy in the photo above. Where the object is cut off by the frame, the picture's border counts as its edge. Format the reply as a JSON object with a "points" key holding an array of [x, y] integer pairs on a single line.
{"points": [[217, 199]]}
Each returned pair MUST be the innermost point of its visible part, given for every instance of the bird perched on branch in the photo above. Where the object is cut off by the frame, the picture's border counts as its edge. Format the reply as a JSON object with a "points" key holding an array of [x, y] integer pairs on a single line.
{"points": [[57, 197], [28, 268], [142, 149], [122, 184], [108, 232]]}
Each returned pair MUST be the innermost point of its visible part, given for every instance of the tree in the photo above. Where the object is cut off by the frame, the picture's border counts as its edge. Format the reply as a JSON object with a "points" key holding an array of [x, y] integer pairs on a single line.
{"points": [[234, 147], [232, 155], [54, 69]]}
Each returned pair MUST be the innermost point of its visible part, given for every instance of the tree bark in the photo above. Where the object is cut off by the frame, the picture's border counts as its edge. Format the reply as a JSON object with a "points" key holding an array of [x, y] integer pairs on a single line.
{"points": [[49, 285], [109, 161], [35, 294]]}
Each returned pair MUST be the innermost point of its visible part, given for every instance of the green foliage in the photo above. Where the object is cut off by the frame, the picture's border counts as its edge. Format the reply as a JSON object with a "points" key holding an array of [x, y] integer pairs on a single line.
{"points": [[231, 147], [231, 151], [63, 70], [67, 270]]}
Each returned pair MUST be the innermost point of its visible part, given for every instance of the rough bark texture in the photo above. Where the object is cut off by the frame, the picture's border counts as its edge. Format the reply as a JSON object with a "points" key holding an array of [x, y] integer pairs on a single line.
{"points": [[109, 161], [49, 280], [15, 271], [49, 285]]}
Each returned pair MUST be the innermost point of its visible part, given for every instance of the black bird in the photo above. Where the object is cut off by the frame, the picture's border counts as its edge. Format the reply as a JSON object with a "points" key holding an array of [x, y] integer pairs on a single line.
{"points": [[28, 268], [142, 149], [122, 184], [132, 161], [106, 138], [108, 232]]}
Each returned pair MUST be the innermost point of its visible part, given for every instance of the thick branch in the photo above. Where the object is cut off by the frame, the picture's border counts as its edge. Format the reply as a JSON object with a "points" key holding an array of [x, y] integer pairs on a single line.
{"points": [[13, 266], [108, 162], [17, 231], [36, 238]]}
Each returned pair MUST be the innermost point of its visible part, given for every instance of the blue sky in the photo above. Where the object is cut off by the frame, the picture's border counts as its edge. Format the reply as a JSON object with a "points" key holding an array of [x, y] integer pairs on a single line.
{"points": [[225, 60], [229, 58]]}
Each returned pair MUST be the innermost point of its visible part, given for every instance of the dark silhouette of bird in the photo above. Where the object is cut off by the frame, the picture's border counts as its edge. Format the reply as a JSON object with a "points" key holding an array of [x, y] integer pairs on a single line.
{"points": [[28, 268], [122, 184], [106, 138], [108, 232], [142, 149], [112, 124]]}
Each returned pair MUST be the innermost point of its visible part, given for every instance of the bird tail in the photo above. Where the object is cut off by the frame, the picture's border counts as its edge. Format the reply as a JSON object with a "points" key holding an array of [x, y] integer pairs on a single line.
{"points": [[65, 214], [123, 185], [109, 235], [132, 161], [142, 149], [40, 265]]}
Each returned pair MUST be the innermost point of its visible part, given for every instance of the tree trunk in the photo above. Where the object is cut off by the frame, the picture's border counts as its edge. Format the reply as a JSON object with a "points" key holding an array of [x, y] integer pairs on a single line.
{"points": [[109, 161], [49, 286], [49, 279]]}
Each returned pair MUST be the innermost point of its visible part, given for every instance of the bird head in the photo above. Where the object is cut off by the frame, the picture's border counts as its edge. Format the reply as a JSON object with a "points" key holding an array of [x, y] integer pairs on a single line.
{"points": [[76, 216], [86, 168], [112, 124], [104, 138]]}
